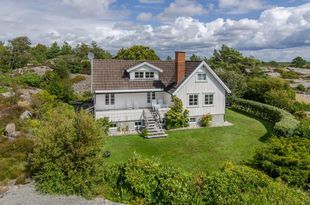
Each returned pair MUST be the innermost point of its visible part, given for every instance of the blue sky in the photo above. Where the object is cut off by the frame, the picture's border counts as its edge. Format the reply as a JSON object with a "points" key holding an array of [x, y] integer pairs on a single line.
{"points": [[269, 30]]}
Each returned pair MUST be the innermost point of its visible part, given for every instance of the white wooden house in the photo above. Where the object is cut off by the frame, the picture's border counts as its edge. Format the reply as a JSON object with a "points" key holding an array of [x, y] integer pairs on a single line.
{"points": [[133, 94]]}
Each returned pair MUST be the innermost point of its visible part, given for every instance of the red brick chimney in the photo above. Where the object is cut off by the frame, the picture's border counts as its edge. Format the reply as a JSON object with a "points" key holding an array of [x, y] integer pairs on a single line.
{"points": [[179, 66]]}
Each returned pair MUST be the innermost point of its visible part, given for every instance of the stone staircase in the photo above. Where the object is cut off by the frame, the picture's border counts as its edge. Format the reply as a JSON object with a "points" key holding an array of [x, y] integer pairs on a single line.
{"points": [[153, 125]]}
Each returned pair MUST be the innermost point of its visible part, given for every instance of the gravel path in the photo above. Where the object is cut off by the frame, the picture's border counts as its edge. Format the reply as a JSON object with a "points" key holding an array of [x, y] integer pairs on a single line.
{"points": [[26, 195]]}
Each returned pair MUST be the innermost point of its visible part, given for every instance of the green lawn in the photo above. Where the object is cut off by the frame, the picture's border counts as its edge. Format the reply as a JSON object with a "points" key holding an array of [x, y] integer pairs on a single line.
{"points": [[196, 149]]}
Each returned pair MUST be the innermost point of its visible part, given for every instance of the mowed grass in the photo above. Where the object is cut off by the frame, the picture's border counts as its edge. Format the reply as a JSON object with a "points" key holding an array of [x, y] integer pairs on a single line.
{"points": [[196, 149]]}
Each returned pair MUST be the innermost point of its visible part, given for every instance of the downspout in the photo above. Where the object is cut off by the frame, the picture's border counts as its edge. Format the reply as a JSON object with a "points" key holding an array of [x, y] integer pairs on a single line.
{"points": [[91, 56]]}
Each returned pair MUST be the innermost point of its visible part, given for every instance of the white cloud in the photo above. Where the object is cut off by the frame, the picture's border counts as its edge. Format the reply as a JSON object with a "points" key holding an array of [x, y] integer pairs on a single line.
{"points": [[241, 6], [181, 8], [93, 7], [151, 1], [144, 16], [279, 33]]}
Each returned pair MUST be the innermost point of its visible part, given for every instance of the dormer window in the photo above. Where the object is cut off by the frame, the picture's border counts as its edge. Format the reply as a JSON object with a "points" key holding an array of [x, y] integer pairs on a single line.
{"points": [[139, 75], [144, 71], [149, 74], [144, 75]]}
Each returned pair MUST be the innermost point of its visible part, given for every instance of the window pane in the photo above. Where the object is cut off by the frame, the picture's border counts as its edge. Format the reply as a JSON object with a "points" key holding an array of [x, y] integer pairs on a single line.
{"points": [[202, 76], [141, 74], [136, 75], [107, 99], [148, 97], [151, 74], [193, 99], [112, 99], [147, 74], [153, 95], [208, 99], [192, 119]]}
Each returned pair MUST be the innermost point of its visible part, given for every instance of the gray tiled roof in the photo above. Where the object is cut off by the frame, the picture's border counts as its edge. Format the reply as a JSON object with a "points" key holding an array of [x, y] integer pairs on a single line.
{"points": [[112, 75]]}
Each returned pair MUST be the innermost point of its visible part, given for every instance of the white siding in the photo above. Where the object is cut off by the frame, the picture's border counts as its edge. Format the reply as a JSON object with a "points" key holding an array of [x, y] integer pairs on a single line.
{"points": [[121, 115], [192, 86]]}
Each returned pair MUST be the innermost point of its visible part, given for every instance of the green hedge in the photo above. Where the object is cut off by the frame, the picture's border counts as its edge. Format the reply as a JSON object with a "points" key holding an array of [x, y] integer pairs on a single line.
{"points": [[145, 181], [285, 124]]}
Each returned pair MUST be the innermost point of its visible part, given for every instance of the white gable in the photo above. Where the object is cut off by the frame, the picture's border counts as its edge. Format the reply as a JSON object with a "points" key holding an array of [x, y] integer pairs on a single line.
{"points": [[144, 65], [204, 67], [145, 71], [200, 89]]}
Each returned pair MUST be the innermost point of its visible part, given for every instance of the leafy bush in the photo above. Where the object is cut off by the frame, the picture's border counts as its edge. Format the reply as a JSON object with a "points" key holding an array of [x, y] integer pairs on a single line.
{"points": [[61, 68], [68, 156], [304, 128], [31, 79], [177, 116], [58, 87], [287, 159], [258, 87], [289, 75], [144, 132], [71, 62], [205, 120], [280, 98], [244, 185], [301, 87], [284, 123], [144, 181], [104, 124]]}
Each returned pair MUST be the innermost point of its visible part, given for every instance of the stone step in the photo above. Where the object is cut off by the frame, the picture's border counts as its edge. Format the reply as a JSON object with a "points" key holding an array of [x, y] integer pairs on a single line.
{"points": [[156, 136]]}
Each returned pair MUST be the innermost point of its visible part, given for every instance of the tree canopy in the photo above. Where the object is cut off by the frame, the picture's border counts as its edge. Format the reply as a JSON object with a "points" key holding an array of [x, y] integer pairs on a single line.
{"points": [[299, 62], [137, 52]]}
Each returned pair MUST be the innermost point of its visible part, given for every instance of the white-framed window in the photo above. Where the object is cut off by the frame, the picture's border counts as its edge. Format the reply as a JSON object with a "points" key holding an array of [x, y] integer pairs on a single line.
{"points": [[139, 75], [192, 119], [150, 96], [201, 77], [193, 99], [113, 125], [209, 99], [139, 124], [149, 74], [144, 75], [110, 99]]}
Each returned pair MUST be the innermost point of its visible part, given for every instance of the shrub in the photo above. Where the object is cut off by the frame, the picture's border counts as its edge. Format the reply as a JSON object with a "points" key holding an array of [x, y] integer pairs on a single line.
{"points": [[61, 68], [244, 185], [287, 159], [205, 120], [304, 128], [177, 116], [284, 123], [301, 87], [31, 79], [289, 75], [143, 181], [144, 132], [68, 156], [104, 124], [62, 90], [45, 104]]}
